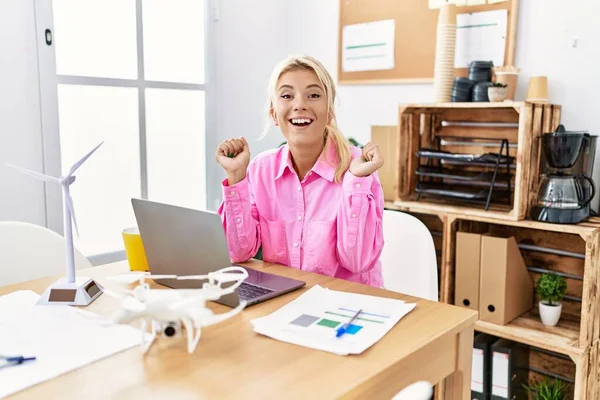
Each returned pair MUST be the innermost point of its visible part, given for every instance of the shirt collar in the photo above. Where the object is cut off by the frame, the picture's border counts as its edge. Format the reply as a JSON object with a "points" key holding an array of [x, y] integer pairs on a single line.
{"points": [[285, 161], [323, 167]]}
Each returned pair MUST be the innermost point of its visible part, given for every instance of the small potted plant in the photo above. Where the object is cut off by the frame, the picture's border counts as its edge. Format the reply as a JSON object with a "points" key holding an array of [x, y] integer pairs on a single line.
{"points": [[547, 390], [551, 288], [497, 91]]}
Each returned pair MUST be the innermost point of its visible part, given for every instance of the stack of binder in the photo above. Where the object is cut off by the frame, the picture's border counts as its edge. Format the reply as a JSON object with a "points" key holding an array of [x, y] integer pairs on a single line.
{"points": [[500, 369]]}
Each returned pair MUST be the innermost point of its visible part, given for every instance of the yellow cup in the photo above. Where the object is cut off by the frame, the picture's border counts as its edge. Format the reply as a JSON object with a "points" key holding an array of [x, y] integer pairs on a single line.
{"points": [[134, 248]]}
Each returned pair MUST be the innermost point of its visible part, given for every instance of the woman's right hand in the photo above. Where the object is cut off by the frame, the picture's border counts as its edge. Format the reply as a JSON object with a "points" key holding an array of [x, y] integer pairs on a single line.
{"points": [[234, 156]]}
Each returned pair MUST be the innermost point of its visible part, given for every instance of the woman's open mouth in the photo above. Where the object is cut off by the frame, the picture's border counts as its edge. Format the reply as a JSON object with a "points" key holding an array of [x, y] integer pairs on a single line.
{"points": [[300, 122]]}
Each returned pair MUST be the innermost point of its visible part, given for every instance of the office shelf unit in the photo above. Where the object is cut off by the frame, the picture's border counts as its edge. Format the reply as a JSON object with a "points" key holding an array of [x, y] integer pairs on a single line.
{"points": [[570, 250], [573, 346]]}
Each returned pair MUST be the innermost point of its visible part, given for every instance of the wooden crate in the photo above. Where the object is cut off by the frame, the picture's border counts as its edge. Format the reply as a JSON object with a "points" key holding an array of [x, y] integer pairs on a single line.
{"points": [[420, 126], [579, 327]]}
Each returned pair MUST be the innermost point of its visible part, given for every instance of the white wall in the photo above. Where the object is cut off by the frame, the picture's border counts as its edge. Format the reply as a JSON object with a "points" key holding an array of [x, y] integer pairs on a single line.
{"points": [[21, 198], [251, 38]]}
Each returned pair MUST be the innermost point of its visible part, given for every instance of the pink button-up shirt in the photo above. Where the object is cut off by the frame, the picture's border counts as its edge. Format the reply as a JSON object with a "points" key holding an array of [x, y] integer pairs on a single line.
{"points": [[314, 225]]}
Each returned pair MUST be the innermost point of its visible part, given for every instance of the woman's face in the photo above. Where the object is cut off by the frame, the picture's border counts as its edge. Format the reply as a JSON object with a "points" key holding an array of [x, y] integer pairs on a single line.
{"points": [[300, 108]]}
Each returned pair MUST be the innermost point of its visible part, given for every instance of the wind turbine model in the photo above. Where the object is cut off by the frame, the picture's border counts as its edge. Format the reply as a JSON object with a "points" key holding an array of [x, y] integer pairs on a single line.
{"points": [[68, 290]]}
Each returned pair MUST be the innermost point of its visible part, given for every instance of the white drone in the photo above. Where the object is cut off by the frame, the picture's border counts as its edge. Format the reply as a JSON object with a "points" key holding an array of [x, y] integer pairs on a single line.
{"points": [[166, 311]]}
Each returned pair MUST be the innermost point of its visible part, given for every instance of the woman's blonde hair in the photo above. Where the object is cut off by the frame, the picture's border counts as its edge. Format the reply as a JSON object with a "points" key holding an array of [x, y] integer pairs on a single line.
{"points": [[333, 136]]}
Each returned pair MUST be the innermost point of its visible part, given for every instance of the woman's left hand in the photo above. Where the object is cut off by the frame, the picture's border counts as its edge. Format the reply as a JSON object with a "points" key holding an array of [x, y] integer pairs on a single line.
{"points": [[370, 161]]}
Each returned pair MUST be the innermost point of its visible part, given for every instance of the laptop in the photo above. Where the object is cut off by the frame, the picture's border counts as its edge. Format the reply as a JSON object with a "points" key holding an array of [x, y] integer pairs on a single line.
{"points": [[183, 241]]}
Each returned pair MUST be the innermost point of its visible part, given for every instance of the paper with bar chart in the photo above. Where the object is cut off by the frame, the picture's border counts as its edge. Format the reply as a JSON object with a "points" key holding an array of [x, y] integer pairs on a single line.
{"points": [[368, 46], [313, 319]]}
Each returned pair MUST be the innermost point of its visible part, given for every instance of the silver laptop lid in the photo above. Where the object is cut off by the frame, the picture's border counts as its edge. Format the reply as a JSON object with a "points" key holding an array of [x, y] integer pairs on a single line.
{"points": [[180, 240]]}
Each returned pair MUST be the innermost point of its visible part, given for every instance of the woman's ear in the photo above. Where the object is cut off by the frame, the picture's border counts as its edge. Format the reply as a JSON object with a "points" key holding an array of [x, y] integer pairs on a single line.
{"points": [[330, 116], [273, 115]]}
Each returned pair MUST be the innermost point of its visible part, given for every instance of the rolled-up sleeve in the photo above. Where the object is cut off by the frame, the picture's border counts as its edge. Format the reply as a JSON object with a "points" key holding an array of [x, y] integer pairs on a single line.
{"points": [[360, 223], [240, 220]]}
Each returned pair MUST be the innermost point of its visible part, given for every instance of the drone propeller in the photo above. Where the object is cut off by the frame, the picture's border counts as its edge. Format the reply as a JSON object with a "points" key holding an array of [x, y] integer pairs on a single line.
{"points": [[225, 275]]}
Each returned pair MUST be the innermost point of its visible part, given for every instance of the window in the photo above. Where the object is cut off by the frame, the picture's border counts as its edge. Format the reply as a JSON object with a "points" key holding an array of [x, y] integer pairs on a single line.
{"points": [[130, 73]]}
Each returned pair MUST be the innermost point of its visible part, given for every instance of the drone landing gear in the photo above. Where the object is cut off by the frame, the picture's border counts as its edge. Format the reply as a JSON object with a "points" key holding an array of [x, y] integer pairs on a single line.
{"points": [[192, 339], [146, 344]]}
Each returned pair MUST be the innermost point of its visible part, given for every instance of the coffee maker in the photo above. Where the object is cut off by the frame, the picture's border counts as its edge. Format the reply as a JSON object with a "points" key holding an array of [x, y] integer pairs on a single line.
{"points": [[566, 187]]}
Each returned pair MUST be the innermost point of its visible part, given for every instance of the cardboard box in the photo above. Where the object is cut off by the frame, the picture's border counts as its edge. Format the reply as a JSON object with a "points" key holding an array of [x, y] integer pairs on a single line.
{"points": [[468, 258], [506, 289], [387, 139]]}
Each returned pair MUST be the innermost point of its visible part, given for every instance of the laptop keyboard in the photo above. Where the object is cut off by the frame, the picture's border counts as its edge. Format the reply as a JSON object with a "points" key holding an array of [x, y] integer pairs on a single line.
{"points": [[247, 291]]}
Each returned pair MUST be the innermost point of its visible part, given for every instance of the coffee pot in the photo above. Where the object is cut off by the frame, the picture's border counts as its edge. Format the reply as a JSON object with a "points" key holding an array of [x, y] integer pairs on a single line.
{"points": [[566, 188]]}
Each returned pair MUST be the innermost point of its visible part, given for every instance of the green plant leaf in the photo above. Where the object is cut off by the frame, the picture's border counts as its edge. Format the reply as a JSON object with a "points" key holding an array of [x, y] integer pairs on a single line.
{"points": [[551, 287], [547, 390]]}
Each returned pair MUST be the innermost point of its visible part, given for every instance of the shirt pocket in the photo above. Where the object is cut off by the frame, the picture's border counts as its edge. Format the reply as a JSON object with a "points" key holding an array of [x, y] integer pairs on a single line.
{"points": [[273, 241], [321, 247]]}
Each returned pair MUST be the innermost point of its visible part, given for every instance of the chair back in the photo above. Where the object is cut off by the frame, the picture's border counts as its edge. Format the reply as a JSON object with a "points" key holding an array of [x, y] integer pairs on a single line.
{"points": [[29, 251], [408, 259], [420, 390]]}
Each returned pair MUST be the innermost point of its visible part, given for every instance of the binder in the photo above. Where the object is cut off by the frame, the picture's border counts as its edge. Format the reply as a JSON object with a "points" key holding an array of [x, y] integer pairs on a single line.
{"points": [[481, 371], [506, 289], [468, 257], [510, 370]]}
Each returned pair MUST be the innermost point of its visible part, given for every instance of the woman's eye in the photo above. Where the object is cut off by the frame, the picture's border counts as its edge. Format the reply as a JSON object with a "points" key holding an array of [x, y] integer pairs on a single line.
{"points": [[286, 96], [315, 96]]}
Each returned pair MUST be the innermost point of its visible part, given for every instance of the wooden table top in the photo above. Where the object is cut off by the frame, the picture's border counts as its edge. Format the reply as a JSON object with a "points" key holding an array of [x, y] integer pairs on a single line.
{"points": [[232, 361]]}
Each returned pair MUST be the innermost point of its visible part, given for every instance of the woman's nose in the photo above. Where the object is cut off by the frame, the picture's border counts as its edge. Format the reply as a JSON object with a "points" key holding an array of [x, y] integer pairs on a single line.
{"points": [[299, 105]]}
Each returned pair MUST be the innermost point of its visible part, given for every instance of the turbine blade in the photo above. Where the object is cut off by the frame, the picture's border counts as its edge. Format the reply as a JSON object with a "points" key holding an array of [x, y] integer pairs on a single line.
{"points": [[80, 162], [34, 174], [69, 201]]}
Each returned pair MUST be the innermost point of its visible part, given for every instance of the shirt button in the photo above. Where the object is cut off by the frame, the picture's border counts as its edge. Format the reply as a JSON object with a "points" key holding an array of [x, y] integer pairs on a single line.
{"points": [[299, 218], [238, 219], [299, 189], [295, 244], [358, 185], [232, 192], [353, 215]]}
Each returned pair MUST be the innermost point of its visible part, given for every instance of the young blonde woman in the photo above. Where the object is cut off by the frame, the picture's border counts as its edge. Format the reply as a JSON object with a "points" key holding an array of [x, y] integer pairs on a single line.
{"points": [[316, 203]]}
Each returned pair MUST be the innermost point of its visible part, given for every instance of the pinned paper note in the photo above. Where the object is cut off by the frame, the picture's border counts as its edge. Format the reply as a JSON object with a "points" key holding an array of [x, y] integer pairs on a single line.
{"points": [[368, 46], [480, 36], [434, 4]]}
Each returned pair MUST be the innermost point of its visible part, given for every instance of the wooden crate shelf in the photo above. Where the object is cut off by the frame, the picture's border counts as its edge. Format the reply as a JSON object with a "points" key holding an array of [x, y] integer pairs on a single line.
{"points": [[420, 126], [579, 327], [528, 329]]}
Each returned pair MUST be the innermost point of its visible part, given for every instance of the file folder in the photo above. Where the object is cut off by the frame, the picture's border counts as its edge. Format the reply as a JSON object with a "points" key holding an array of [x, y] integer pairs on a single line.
{"points": [[510, 370], [481, 372], [506, 289], [468, 257]]}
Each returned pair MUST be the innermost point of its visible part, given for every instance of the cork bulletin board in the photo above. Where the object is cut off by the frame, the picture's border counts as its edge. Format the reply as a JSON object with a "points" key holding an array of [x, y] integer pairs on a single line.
{"points": [[414, 37]]}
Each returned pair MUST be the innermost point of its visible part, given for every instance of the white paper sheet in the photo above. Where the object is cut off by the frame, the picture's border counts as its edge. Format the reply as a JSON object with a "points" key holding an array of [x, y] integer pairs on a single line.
{"points": [[62, 338], [368, 46], [480, 36], [313, 318]]}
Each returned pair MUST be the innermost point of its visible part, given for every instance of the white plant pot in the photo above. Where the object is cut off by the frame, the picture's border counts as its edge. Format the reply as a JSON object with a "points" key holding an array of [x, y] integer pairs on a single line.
{"points": [[550, 314]]}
